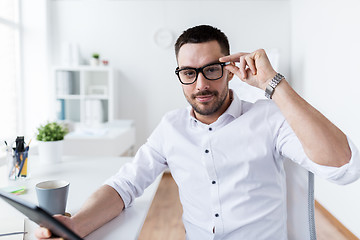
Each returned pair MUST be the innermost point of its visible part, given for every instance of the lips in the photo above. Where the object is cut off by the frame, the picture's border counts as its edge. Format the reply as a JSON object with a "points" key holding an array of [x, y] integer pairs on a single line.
{"points": [[204, 98]]}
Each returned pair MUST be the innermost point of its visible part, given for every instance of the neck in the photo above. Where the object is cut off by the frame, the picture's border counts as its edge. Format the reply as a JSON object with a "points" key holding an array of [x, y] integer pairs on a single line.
{"points": [[209, 119]]}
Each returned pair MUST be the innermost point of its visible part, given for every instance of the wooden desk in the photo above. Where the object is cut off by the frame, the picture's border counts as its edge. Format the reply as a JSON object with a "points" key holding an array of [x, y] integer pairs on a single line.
{"points": [[85, 175]]}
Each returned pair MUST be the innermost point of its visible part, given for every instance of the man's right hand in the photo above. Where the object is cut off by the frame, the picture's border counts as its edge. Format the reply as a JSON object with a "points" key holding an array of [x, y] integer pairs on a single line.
{"points": [[44, 233]]}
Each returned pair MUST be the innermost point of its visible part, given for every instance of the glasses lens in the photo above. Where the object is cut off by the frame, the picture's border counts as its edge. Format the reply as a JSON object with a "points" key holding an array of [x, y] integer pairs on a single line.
{"points": [[213, 71], [187, 75]]}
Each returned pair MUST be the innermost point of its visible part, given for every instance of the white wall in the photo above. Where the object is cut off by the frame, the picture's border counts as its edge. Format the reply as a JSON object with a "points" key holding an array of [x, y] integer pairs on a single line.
{"points": [[322, 36], [324, 65], [123, 32]]}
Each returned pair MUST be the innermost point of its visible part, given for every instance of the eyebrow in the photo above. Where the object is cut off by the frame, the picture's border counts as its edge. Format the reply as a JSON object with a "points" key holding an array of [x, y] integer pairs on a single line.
{"points": [[201, 66]]}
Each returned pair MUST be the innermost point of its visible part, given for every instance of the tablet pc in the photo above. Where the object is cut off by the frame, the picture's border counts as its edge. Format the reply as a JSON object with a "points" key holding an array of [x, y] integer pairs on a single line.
{"points": [[40, 216]]}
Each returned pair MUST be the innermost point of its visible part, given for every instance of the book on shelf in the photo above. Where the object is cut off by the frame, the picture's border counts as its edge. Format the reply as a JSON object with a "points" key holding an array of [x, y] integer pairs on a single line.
{"points": [[60, 109]]}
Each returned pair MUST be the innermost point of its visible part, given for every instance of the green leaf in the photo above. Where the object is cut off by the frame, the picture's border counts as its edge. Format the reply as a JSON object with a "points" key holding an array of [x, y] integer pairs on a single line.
{"points": [[52, 131]]}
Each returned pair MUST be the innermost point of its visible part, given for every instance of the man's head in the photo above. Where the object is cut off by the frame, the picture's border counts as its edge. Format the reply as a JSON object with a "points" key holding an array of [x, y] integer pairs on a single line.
{"points": [[195, 49]]}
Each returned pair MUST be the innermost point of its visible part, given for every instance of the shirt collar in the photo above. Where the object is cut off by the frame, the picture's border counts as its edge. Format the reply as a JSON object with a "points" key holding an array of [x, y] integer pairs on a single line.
{"points": [[234, 110]]}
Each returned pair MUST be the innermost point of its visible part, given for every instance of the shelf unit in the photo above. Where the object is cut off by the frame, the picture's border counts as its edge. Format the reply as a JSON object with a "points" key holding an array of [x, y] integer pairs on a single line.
{"points": [[84, 94]]}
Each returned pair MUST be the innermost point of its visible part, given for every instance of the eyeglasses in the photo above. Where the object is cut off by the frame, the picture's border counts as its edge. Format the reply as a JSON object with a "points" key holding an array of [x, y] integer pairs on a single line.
{"points": [[212, 71]]}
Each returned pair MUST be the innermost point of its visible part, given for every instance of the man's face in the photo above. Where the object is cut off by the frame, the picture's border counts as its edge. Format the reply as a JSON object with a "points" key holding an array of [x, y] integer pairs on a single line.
{"points": [[206, 97]]}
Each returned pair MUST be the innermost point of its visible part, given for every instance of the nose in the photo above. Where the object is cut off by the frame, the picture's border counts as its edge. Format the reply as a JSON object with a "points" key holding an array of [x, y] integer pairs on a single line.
{"points": [[202, 83]]}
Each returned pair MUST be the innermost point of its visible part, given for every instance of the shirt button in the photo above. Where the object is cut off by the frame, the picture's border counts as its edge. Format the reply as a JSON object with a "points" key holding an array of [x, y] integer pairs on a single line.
{"points": [[213, 182], [210, 129], [206, 151], [216, 215]]}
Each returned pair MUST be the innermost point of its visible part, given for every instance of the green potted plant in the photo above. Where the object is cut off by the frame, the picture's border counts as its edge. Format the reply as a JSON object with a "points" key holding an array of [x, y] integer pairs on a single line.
{"points": [[95, 59], [50, 137]]}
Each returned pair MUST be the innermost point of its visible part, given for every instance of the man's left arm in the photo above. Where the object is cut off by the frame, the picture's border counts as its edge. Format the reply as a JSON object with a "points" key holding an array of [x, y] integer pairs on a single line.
{"points": [[322, 141]]}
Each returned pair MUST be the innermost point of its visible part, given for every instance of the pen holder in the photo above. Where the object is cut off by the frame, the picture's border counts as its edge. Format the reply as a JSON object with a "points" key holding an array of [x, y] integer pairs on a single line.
{"points": [[18, 165]]}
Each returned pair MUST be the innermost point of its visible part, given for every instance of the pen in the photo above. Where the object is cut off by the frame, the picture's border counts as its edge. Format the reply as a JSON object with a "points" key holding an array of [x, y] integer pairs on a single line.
{"points": [[22, 160], [27, 146], [13, 233], [23, 169], [9, 149]]}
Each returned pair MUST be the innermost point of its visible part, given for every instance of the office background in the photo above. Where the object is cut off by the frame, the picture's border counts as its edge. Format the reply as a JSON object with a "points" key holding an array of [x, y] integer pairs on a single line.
{"points": [[317, 42]]}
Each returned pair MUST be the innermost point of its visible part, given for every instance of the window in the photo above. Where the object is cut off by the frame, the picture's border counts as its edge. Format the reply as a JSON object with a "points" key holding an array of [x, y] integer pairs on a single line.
{"points": [[10, 87]]}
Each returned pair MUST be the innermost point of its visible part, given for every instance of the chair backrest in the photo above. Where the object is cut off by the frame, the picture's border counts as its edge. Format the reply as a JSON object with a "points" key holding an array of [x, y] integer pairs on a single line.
{"points": [[300, 202]]}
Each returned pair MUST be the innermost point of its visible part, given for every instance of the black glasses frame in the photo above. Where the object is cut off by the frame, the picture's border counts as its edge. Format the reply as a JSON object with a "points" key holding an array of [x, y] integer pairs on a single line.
{"points": [[200, 70]]}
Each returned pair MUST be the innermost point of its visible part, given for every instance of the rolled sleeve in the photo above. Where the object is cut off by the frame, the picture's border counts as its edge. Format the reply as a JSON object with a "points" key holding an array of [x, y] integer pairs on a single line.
{"points": [[290, 147], [345, 174], [134, 177]]}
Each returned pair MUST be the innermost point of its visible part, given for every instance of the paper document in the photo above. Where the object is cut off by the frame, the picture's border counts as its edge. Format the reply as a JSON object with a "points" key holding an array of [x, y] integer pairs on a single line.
{"points": [[12, 225]]}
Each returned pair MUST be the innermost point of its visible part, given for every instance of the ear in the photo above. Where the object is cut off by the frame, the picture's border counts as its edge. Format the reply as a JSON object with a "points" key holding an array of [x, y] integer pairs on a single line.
{"points": [[230, 74]]}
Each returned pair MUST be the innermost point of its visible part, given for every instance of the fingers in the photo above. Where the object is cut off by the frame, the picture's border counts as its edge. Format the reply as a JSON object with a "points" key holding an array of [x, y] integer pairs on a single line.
{"points": [[246, 66], [246, 60], [234, 69], [233, 57], [242, 67], [253, 68], [250, 61], [42, 233]]}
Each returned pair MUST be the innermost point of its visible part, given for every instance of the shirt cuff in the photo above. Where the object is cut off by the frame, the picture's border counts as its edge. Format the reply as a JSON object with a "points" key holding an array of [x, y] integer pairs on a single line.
{"points": [[122, 184], [127, 198]]}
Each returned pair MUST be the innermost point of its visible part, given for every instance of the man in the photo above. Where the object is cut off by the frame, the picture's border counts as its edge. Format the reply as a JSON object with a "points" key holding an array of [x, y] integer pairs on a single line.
{"points": [[226, 155]]}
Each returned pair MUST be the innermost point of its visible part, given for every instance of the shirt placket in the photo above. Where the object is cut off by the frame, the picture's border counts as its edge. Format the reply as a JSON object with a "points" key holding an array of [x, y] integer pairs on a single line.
{"points": [[214, 181]]}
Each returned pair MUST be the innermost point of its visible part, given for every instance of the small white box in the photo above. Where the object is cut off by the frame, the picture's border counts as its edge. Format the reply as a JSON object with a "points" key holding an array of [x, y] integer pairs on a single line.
{"points": [[98, 90]]}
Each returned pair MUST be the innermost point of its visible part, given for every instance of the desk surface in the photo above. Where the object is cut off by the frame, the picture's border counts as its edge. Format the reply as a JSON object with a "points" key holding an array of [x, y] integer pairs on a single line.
{"points": [[114, 138], [85, 175]]}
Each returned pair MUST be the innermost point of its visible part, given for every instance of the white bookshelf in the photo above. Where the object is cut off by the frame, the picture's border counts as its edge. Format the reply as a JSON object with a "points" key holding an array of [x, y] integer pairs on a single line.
{"points": [[84, 94]]}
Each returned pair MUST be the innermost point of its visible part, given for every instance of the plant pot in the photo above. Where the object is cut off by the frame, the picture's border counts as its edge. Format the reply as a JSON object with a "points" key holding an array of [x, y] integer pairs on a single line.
{"points": [[50, 152], [94, 62]]}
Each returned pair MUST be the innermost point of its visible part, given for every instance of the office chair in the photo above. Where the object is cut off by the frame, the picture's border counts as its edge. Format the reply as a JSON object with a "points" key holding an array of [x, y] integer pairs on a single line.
{"points": [[300, 202], [299, 181]]}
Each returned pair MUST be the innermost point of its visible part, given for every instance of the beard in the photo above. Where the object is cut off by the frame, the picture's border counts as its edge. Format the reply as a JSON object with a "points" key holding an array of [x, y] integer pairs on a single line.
{"points": [[208, 108]]}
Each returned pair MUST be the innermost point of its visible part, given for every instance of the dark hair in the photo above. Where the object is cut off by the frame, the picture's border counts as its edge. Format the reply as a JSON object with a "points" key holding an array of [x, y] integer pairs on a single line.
{"points": [[201, 34]]}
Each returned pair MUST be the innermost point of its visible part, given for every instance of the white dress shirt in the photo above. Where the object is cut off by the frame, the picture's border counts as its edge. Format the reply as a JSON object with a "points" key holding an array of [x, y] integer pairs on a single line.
{"points": [[230, 173]]}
